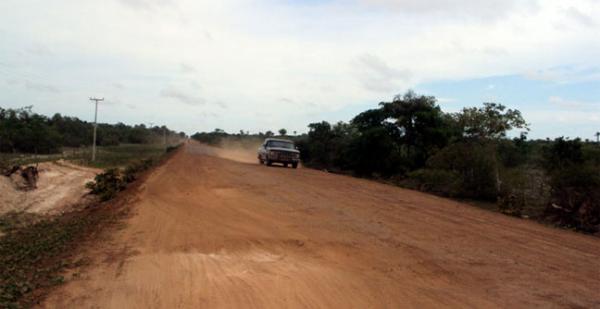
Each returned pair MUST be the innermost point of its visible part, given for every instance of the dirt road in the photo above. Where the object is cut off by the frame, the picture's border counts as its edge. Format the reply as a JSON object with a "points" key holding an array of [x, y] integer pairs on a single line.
{"points": [[208, 232]]}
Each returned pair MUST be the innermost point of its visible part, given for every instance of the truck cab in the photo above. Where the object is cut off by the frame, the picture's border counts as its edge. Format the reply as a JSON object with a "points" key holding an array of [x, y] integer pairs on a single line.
{"points": [[277, 150]]}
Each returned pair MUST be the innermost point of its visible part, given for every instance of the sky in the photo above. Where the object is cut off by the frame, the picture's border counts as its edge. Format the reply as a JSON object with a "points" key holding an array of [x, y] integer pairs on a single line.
{"points": [[255, 65]]}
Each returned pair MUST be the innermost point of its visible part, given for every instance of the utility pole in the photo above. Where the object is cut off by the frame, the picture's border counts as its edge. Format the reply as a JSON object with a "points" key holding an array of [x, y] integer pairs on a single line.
{"points": [[95, 127], [165, 136]]}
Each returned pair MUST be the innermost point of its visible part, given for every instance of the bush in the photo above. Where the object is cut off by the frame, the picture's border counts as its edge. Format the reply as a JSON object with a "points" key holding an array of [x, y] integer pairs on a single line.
{"points": [[130, 173], [511, 200], [523, 192], [441, 182], [474, 163], [112, 181], [575, 198], [575, 186], [106, 185]]}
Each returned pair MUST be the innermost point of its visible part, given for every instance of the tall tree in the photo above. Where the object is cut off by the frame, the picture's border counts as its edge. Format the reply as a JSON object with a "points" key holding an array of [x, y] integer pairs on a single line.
{"points": [[491, 121], [487, 124]]}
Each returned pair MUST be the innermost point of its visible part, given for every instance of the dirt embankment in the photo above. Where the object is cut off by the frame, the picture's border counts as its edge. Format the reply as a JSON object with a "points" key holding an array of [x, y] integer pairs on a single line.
{"points": [[60, 185], [208, 232]]}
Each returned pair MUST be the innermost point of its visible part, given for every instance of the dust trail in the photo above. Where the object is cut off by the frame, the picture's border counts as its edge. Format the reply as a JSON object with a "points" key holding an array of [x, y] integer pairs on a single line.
{"points": [[244, 151]]}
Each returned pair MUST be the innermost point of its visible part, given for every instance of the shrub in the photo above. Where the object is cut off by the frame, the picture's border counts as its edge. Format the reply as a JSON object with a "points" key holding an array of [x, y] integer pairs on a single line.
{"points": [[106, 185], [130, 173], [575, 186], [575, 198], [442, 182], [475, 164]]}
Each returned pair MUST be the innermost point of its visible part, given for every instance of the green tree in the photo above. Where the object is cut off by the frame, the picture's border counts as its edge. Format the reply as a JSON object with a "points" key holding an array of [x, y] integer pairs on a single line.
{"points": [[485, 126], [423, 127], [491, 121], [282, 132], [416, 125]]}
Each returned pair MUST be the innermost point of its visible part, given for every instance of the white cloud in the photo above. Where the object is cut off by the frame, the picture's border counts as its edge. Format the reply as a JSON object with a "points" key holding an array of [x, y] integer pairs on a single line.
{"points": [[573, 104], [182, 96], [580, 17], [489, 9], [326, 56], [147, 4], [566, 74], [186, 68], [35, 86], [376, 75]]}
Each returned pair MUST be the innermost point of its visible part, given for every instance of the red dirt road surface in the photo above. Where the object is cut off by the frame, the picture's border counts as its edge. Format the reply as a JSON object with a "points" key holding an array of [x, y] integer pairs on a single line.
{"points": [[209, 232]]}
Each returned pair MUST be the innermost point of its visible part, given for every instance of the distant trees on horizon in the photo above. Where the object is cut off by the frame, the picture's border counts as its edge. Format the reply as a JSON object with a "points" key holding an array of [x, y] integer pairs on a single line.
{"points": [[22, 130]]}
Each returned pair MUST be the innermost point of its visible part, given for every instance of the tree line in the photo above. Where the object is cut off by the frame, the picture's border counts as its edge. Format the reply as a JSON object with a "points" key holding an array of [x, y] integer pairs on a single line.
{"points": [[24, 131], [411, 142]]}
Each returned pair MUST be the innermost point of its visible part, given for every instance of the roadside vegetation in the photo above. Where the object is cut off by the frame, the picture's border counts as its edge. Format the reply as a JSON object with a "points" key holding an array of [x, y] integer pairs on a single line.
{"points": [[411, 142], [37, 250], [109, 183]]}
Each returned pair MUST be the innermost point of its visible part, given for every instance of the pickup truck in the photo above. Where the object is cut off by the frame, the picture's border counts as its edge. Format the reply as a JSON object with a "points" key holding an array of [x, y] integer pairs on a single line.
{"points": [[277, 150]]}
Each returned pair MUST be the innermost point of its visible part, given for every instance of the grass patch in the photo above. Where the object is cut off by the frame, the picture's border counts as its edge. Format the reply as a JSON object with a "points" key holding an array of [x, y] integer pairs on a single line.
{"points": [[12, 221], [117, 156], [34, 251], [106, 156]]}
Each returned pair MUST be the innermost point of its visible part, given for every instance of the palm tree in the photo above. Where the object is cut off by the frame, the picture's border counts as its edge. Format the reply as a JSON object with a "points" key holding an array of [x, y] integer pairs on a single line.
{"points": [[597, 137]]}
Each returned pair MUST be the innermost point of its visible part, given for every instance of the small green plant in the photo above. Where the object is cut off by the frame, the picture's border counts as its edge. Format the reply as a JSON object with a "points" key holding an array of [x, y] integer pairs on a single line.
{"points": [[106, 185], [12, 221], [32, 254], [131, 172], [442, 182]]}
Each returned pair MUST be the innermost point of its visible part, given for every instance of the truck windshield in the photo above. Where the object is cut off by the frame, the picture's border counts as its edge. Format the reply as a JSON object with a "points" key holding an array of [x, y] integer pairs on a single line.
{"points": [[280, 144]]}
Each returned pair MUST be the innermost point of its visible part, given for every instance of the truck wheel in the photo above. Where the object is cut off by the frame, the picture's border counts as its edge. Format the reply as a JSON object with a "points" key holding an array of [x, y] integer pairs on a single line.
{"points": [[285, 164], [294, 165], [261, 161], [269, 163]]}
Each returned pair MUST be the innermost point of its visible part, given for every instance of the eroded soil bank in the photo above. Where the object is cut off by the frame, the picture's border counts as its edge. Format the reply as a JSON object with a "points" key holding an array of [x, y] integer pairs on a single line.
{"points": [[60, 186]]}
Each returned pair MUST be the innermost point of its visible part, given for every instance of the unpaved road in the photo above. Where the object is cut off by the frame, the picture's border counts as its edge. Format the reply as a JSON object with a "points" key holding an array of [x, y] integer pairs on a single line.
{"points": [[208, 232]]}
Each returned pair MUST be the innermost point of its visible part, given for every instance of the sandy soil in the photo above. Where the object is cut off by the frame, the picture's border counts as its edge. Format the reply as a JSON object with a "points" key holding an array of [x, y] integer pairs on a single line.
{"points": [[60, 186], [208, 232]]}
